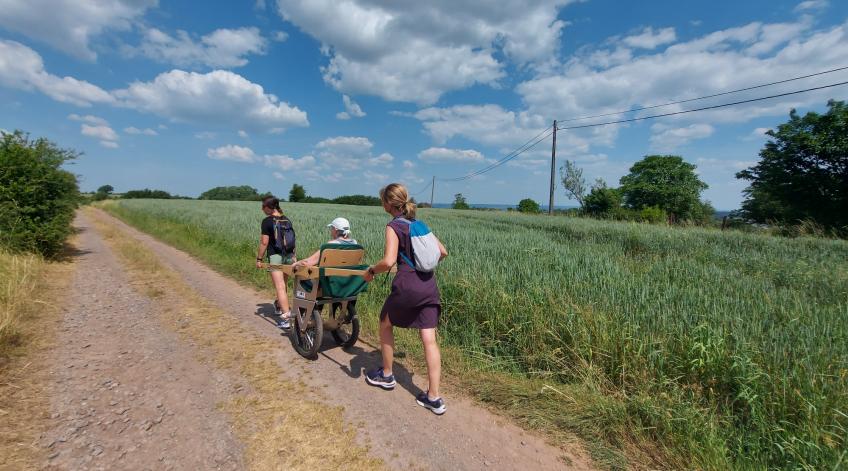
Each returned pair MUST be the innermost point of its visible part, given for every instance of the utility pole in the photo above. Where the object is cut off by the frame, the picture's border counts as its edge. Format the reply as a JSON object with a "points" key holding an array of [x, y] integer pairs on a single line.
{"points": [[553, 172], [432, 190]]}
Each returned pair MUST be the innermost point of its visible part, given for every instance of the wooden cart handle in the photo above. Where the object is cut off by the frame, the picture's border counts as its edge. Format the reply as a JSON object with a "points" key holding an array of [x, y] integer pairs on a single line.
{"points": [[311, 273]]}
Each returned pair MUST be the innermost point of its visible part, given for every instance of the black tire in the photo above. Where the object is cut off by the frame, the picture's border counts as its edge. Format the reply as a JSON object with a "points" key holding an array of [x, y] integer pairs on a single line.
{"points": [[308, 342], [347, 333]]}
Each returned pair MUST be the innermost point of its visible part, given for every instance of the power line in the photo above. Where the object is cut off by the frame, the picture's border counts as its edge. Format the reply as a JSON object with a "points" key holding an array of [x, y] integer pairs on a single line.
{"points": [[422, 190], [754, 87], [530, 144], [548, 131], [723, 105], [507, 155]]}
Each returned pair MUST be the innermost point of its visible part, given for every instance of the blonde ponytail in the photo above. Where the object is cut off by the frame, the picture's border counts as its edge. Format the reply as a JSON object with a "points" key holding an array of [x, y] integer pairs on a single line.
{"points": [[395, 196]]}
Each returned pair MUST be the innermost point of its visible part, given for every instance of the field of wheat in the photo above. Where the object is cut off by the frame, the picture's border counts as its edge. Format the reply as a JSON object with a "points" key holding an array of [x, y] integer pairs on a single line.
{"points": [[687, 347]]}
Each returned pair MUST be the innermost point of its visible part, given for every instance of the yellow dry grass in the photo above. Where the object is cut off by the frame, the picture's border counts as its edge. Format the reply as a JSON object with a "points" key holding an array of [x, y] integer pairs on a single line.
{"points": [[28, 316], [281, 423]]}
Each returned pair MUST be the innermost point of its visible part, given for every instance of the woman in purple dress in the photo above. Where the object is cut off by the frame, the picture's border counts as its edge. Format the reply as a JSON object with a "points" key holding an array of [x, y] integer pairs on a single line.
{"points": [[413, 302]]}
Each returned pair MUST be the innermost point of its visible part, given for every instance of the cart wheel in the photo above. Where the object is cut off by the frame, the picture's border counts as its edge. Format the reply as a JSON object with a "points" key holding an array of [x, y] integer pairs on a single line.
{"points": [[307, 341], [347, 333]]}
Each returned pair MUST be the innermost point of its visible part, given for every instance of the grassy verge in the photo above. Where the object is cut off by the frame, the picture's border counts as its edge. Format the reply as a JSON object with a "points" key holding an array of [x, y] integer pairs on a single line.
{"points": [[28, 317], [311, 435], [663, 347]]}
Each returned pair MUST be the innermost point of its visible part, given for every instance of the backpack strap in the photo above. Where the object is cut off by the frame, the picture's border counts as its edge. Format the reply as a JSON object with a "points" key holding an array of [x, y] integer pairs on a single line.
{"points": [[406, 258]]}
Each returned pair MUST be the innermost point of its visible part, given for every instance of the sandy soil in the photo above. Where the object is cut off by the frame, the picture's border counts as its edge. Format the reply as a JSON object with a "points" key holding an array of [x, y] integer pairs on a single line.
{"points": [[127, 393]]}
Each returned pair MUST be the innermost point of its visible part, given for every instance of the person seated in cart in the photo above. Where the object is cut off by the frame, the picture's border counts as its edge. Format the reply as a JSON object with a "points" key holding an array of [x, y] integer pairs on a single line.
{"points": [[339, 234]]}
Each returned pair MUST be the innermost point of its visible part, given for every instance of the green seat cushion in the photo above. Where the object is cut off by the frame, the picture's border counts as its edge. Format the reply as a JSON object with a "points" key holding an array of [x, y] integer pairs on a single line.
{"points": [[342, 286]]}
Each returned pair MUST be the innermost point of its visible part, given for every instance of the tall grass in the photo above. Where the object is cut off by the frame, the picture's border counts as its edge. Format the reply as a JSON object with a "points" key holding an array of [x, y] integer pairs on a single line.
{"points": [[19, 276], [700, 348]]}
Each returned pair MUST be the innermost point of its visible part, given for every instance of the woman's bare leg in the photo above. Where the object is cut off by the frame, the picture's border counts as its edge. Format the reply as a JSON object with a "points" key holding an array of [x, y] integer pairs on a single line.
{"points": [[387, 344], [433, 358], [280, 282]]}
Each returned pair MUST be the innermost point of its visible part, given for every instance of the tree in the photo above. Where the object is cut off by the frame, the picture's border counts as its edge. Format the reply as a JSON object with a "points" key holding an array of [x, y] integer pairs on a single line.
{"points": [[148, 194], [573, 181], [359, 200], [297, 194], [664, 181], [103, 192], [232, 193], [602, 201], [459, 202], [37, 197], [803, 171], [529, 206]]}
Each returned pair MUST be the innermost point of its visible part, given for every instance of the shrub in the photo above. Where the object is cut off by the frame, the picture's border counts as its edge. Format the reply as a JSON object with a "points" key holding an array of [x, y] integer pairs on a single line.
{"points": [[37, 197], [652, 214], [529, 206], [602, 201]]}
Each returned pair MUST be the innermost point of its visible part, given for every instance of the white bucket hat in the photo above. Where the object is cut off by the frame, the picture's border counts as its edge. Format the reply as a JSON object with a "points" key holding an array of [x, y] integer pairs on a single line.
{"points": [[340, 224]]}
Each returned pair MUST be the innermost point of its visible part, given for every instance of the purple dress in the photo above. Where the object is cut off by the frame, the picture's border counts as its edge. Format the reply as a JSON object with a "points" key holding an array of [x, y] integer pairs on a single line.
{"points": [[414, 301]]}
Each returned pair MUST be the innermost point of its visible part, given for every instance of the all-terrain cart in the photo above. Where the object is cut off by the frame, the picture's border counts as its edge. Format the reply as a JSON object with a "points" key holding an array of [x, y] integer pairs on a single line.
{"points": [[335, 282]]}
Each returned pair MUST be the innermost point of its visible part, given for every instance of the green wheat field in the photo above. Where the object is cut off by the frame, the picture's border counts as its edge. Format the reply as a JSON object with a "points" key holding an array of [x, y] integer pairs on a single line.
{"points": [[659, 347]]}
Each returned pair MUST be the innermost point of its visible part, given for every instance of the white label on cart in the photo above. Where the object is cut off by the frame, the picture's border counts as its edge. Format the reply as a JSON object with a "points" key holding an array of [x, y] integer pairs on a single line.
{"points": [[299, 294]]}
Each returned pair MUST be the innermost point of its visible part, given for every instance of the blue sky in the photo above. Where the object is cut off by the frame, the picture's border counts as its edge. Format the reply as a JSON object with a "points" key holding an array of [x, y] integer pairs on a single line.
{"points": [[344, 96]]}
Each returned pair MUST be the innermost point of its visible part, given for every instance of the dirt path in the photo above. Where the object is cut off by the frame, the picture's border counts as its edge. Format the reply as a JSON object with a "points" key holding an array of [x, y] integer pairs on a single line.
{"points": [[131, 394], [126, 393], [403, 434]]}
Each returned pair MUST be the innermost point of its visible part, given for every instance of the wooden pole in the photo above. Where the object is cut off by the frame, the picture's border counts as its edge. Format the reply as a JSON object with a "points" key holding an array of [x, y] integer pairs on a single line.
{"points": [[553, 172], [432, 190]]}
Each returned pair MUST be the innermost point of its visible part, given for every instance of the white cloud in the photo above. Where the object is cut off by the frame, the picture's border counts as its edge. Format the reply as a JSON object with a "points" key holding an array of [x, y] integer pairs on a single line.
{"points": [[492, 125], [722, 60], [70, 25], [90, 119], [219, 97], [349, 153], [232, 153], [666, 139], [487, 124], [205, 135], [162, 127], [99, 131], [279, 36], [758, 134], [650, 39], [376, 177], [442, 154], [352, 109], [408, 164], [812, 5], [243, 134], [22, 68], [284, 162], [220, 48], [145, 131], [279, 176], [416, 51]]}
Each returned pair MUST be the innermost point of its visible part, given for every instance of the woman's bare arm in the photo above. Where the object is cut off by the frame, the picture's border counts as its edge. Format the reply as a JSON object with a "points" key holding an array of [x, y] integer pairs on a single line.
{"points": [[389, 254], [263, 245]]}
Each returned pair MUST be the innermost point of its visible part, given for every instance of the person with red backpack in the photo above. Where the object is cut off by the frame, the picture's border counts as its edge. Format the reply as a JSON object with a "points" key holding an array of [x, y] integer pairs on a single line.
{"points": [[414, 301], [278, 243]]}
